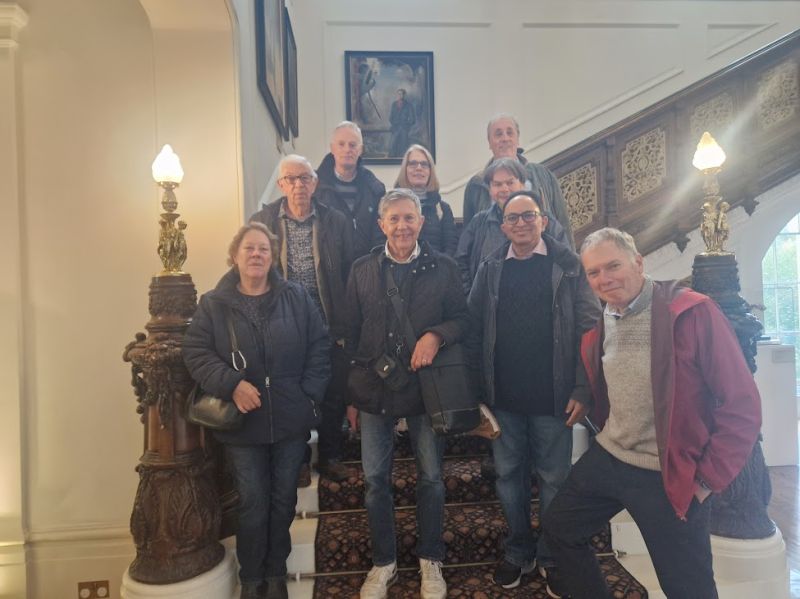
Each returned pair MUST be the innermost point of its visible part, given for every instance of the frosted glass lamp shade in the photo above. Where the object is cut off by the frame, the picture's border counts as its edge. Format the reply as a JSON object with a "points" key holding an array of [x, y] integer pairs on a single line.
{"points": [[167, 167], [709, 154]]}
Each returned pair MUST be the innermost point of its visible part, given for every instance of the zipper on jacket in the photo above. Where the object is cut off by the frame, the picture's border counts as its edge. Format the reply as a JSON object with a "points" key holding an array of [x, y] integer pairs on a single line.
{"points": [[271, 412]]}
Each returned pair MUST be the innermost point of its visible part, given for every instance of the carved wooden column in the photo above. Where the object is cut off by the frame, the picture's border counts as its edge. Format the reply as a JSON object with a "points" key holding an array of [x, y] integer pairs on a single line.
{"points": [[176, 515]]}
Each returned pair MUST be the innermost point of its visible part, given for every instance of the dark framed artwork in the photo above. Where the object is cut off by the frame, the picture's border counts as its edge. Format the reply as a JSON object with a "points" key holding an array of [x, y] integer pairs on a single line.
{"points": [[390, 96], [292, 109], [270, 61]]}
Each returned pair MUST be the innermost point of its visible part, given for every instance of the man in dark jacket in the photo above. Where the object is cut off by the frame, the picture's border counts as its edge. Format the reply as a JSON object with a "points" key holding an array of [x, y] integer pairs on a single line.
{"points": [[531, 303], [484, 234], [502, 133], [679, 412], [315, 250], [427, 283], [350, 188]]}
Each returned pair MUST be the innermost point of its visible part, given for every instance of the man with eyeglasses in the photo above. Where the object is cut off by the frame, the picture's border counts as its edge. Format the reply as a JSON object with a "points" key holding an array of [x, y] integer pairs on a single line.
{"points": [[316, 251], [530, 303], [484, 235], [502, 133], [347, 186]]}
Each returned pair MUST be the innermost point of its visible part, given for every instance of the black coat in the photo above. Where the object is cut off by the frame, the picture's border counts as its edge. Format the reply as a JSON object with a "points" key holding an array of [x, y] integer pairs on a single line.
{"points": [[289, 362], [439, 228], [434, 302], [575, 310], [334, 247], [364, 217]]}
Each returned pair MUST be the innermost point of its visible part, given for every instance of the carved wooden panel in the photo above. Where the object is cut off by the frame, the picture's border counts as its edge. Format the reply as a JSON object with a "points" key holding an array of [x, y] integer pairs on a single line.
{"points": [[778, 95], [713, 115], [644, 164], [580, 190]]}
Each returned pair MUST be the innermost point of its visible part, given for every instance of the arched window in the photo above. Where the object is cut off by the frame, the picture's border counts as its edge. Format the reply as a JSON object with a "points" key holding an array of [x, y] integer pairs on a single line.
{"points": [[781, 279]]}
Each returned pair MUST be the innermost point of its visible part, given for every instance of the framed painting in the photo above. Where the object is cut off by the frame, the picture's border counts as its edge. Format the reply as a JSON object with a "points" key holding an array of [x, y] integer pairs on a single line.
{"points": [[270, 61], [390, 96], [292, 109]]}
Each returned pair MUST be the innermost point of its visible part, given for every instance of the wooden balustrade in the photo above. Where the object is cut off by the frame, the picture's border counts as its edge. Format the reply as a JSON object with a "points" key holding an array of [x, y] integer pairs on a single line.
{"points": [[637, 174]]}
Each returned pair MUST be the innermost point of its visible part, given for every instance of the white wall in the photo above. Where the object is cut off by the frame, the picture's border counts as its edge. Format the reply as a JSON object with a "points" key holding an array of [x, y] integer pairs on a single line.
{"points": [[567, 69], [100, 86]]}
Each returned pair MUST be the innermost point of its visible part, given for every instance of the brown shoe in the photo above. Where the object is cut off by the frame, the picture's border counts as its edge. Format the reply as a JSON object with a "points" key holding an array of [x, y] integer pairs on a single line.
{"points": [[333, 470], [304, 477], [489, 428]]}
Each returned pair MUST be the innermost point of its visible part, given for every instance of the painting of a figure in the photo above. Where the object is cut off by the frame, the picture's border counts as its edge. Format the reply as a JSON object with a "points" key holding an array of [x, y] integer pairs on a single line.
{"points": [[390, 96]]}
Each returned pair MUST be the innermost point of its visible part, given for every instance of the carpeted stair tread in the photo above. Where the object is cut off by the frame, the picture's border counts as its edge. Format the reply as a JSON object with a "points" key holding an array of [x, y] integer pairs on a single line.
{"points": [[462, 481], [475, 582], [472, 533], [462, 445]]}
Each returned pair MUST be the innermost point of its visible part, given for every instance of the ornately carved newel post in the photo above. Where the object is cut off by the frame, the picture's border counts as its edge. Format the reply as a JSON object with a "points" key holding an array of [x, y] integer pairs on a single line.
{"points": [[740, 512], [176, 514]]}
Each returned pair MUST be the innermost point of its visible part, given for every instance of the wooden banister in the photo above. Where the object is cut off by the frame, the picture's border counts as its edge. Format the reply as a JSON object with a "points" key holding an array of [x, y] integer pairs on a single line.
{"points": [[637, 174]]}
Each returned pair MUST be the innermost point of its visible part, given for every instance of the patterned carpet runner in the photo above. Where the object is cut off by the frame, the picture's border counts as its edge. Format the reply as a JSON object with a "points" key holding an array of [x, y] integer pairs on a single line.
{"points": [[474, 529]]}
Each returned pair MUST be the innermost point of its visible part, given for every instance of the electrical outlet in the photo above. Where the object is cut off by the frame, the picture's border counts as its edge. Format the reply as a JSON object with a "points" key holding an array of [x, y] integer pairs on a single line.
{"points": [[93, 589]]}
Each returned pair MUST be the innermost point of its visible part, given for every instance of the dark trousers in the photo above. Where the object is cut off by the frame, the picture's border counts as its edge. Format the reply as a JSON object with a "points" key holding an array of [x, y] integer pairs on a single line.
{"points": [[334, 407], [598, 487], [266, 479]]}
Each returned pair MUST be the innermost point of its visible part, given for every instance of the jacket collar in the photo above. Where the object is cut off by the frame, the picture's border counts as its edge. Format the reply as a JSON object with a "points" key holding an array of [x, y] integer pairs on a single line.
{"points": [[426, 254], [226, 287], [565, 258]]}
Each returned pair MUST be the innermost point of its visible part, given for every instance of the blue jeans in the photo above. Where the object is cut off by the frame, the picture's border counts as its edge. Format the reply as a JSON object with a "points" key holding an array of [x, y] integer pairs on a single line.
{"points": [[598, 487], [539, 443], [266, 478], [377, 447]]}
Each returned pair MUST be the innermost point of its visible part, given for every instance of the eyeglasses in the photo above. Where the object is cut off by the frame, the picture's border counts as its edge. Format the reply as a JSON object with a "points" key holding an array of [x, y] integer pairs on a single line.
{"points": [[292, 179], [419, 164], [529, 217]]}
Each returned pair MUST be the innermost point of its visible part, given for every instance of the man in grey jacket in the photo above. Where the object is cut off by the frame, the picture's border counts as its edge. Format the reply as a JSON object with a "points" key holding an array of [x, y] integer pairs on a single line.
{"points": [[483, 235], [531, 303], [502, 133]]}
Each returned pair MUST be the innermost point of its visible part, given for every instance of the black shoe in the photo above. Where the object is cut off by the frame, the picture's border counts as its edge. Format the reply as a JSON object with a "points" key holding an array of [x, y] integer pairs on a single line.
{"points": [[276, 588], [555, 583], [333, 470], [487, 468], [508, 576], [252, 590]]}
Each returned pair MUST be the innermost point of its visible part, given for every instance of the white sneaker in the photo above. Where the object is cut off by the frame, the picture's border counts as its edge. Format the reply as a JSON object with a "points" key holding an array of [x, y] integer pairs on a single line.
{"points": [[378, 581], [433, 585]]}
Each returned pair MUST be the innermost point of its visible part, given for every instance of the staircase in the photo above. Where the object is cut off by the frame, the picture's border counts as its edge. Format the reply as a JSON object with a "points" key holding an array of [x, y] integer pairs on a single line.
{"points": [[331, 551]]}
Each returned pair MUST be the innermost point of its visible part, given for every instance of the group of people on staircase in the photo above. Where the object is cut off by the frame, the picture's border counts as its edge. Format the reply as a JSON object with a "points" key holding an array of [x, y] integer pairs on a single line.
{"points": [[292, 333]]}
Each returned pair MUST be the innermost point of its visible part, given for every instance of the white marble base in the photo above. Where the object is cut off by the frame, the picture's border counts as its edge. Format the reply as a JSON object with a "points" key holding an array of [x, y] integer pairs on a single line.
{"points": [[218, 583], [743, 569]]}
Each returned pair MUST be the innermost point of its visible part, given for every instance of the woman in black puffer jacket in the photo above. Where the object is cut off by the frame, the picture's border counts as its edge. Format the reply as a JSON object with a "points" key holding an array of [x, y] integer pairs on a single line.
{"points": [[284, 348]]}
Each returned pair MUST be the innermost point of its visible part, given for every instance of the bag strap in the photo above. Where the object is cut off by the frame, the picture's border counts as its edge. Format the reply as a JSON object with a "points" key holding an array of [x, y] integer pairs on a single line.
{"points": [[399, 308], [234, 342]]}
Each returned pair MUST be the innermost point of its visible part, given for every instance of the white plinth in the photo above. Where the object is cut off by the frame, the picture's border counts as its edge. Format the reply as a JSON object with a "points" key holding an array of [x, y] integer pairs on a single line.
{"points": [[751, 568], [743, 569], [218, 583]]}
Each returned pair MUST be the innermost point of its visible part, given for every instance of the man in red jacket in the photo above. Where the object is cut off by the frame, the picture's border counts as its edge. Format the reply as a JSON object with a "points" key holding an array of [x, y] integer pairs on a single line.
{"points": [[679, 413]]}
